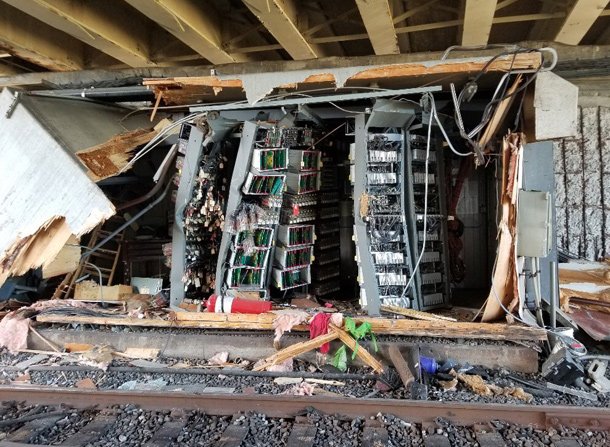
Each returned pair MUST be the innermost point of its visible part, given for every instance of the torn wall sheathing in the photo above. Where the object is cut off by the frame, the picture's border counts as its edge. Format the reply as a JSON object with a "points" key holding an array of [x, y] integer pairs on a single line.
{"points": [[45, 195]]}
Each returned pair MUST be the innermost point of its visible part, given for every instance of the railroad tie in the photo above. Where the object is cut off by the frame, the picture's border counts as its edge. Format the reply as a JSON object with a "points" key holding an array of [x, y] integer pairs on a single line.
{"points": [[30, 430], [490, 439], [374, 434], [233, 436], [302, 435], [92, 431], [166, 434], [436, 441], [567, 443]]}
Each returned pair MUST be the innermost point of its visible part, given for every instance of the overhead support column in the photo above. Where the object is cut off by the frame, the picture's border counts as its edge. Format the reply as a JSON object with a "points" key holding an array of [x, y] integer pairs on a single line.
{"points": [[377, 19], [195, 24], [280, 17], [112, 30], [478, 18], [579, 20]]}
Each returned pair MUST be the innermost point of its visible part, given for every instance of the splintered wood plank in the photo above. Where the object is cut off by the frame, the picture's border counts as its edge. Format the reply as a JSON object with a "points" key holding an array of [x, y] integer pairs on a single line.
{"points": [[416, 314], [360, 351], [233, 436], [31, 429], [401, 365], [295, 350], [90, 432], [302, 435], [414, 328], [166, 434]]}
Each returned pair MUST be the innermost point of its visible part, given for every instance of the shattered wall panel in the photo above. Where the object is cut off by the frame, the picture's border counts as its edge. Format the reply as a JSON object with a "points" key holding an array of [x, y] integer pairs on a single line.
{"points": [[582, 185], [45, 195]]}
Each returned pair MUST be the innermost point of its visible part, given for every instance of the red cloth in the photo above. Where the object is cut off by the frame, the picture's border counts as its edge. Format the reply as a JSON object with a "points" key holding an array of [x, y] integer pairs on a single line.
{"points": [[319, 326]]}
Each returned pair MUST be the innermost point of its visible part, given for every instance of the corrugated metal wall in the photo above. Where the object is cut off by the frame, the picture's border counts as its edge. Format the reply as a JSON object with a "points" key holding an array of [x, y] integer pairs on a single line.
{"points": [[582, 183]]}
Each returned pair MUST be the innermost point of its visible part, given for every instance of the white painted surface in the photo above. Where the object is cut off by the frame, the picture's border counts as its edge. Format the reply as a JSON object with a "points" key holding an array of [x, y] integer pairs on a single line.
{"points": [[40, 180], [556, 107]]}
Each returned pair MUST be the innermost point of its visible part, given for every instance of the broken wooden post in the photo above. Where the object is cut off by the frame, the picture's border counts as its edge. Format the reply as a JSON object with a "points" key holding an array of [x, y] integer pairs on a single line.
{"points": [[361, 352]]}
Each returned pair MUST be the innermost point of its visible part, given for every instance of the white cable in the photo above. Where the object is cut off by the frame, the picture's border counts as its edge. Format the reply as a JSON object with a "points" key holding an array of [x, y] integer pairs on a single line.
{"points": [[434, 114]]}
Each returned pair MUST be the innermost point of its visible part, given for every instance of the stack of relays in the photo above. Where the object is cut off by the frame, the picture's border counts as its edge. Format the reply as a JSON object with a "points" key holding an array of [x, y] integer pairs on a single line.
{"points": [[254, 208], [295, 238], [432, 275]]}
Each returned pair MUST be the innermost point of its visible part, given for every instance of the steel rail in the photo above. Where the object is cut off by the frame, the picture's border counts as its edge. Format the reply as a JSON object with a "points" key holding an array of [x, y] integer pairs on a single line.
{"points": [[289, 406]]}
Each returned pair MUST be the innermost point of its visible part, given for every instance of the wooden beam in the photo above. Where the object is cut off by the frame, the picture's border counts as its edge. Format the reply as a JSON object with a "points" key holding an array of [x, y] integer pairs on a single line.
{"points": [[478, 17], [9, 70], [415, 314], [264, 322], [280, 17], [377, 19], [505, 3], [112, 30], [360, 351], [196, 24], [401, 366], [38, 43], [579, 20], [295, 350]]}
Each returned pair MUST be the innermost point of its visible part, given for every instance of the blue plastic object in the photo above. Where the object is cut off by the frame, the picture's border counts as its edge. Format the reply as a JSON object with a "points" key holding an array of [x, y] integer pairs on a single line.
{"points": [[428, 364]]}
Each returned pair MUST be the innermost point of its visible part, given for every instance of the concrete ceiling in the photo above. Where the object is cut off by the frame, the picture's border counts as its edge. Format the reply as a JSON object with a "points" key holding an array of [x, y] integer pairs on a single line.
{"points": [[68, 35]]}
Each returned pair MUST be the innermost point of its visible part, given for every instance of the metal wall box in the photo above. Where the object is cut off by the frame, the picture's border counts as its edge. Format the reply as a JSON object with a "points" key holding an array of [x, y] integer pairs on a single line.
{"points": [[534, 224]]}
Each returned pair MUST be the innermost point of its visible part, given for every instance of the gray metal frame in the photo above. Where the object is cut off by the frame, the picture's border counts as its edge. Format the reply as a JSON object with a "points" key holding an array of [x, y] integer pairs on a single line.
{"points": [[190, 168], [368, 280], [317, 99], [241, 169]]}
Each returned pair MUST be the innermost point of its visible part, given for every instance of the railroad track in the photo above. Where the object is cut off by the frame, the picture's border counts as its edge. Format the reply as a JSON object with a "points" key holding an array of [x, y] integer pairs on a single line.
{"points": [[361, 418]]}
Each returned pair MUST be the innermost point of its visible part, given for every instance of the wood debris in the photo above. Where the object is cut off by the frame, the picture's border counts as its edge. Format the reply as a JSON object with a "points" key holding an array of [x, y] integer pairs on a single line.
{"points": [[98, 357], [504, 292], [448, 385], [295, 350], [66, 261], [77, 347], [478, 385], [264, 322], [139, 353], [111, 157], [189, 90], [403, 369], [66, 201], [360, 351], [90, 291], [415, 314], [584, 285]]}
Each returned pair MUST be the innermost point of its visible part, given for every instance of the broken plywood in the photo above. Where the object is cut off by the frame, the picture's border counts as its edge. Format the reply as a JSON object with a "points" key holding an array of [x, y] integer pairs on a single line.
{"points": [[45, 195], [504, 295], [66, 261], [585, 285], [111, 157]]}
